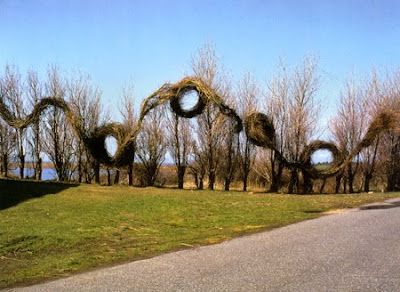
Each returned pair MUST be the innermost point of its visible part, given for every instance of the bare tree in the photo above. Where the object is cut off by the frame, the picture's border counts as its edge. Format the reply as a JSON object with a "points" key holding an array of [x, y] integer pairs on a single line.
{"points": [[247, 95], [152, 145], [292, 103], [228, 149], [391, 147], [375, 102], [205, 66], [303, 115], [180, 141], [85, 101], [391, 141], [348, 128], [59, 139], [129, 116], [7, 144], [199, 166], [35, 93], [269, 164], [229, 153], [12, 90]]}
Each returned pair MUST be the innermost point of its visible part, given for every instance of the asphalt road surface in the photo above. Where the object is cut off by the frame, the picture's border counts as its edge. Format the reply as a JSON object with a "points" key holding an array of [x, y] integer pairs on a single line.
{"points": [[356, 250]]}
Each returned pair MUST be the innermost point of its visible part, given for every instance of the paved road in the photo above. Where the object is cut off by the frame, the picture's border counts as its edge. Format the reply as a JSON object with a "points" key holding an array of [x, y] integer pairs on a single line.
{"points": [[357, 250]]}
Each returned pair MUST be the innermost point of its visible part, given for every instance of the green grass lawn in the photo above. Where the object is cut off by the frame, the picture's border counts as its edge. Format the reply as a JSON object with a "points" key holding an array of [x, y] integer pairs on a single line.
{"points": [[49, 230]]}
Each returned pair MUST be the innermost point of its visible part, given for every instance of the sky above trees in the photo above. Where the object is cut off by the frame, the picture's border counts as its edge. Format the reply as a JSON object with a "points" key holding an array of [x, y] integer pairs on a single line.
{"points": [[146, 43]]}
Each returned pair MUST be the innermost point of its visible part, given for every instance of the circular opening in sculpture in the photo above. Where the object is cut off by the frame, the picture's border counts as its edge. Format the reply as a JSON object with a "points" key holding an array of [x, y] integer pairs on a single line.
{"points": [[189, 99], [111, 145], [321, 151], [188, 103], [322, 157]]}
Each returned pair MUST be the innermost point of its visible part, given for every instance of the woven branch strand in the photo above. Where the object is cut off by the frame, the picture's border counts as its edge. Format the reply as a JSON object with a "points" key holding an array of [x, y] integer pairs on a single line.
{"points": [[259, 127], [261, 132], [126, 139]]}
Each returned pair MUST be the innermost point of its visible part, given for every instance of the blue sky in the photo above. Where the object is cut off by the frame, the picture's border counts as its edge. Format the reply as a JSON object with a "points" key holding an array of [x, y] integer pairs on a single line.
{"points": [[150, 42]]}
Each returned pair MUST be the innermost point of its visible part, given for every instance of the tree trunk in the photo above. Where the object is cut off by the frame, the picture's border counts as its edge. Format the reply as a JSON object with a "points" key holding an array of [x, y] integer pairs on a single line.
{"points": [[5, 165], [338, 179], [321, 189], [181, 176], [228, 180], [227, 184], [97, 172], [108, 177], [59, 170], [130, 174], [150, 173], [88, 177], [390, 181], [245, 179], [201, 183], [21, 165], [293, 181], [38, 169], [196, 179], [274, 184], [211, 180], [116, 179], [276, 178], [80, 169], [307, 184], [367, 180], [350, 178]]}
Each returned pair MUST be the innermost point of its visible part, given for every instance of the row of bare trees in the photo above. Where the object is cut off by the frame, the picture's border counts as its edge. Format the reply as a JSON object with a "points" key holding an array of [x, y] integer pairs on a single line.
{"points": [[291, 102], [360, 102], [52, 135], [205, 149]]}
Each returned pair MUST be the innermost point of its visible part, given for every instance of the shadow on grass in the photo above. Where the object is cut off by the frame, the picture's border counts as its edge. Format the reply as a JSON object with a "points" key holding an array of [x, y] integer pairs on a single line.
{"points": [[395, 204], [13, 192], [313, 211]]}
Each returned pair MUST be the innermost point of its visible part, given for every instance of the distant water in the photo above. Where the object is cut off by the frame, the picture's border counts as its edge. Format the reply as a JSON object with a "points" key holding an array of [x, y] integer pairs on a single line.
{"points": [[47, 173]]}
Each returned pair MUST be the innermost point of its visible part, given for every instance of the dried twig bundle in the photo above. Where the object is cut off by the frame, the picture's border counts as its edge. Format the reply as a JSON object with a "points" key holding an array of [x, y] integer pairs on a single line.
{"points": [[39, 108], [96, 141], [179, 91], [206, 95], [387, 120], [260, 130]]}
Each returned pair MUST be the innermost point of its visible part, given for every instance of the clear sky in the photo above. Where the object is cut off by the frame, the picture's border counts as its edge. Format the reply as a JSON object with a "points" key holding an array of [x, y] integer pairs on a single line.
{"points": [[151, 42]]}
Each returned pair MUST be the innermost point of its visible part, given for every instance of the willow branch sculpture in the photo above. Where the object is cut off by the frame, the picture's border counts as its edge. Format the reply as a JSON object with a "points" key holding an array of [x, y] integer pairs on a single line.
{"points": [[258, 126], [261, 132], [95, 141]]}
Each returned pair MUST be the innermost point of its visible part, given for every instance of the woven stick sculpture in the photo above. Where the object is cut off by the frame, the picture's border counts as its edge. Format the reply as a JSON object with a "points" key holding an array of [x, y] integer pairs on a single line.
{"points": [[261, 132], [259, 127], [95, 141]]}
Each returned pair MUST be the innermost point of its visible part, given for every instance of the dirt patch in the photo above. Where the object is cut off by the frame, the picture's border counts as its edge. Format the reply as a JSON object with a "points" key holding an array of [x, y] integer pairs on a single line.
{"points": [[335, 211]]}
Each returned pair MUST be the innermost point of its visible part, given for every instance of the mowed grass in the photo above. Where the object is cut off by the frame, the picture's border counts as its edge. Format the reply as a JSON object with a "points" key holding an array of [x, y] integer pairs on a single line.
{"points": [[64, 229]]}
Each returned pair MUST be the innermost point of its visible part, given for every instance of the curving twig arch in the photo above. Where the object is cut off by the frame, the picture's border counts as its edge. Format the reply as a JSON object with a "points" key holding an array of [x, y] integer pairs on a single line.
{"points": [[258, 126], [95, 140], [261, 132]]}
